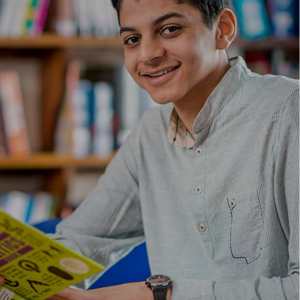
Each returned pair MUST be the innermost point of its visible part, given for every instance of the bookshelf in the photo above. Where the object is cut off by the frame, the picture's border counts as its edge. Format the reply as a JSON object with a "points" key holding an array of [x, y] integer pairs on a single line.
{"points": [[54, 41], [52, 53], [53, 161], [268, 44]]}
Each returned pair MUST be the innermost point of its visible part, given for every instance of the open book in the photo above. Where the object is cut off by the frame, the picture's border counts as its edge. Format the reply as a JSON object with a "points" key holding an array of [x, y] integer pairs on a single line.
{"points": [[36, 266]]}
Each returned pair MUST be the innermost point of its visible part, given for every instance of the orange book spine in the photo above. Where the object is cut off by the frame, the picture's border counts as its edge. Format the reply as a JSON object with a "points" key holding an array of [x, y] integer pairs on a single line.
{"points": [[13, 114]]}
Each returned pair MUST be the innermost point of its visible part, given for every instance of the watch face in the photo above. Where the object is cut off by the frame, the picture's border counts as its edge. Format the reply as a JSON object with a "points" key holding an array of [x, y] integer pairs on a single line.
{"points": [[159, 280]]}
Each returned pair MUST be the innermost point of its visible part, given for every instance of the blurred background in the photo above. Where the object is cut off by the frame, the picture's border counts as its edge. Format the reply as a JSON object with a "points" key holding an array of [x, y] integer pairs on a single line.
{"points": [[67, 102]]}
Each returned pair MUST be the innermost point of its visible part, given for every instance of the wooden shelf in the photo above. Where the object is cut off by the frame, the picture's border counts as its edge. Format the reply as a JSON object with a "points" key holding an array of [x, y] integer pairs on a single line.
{"points": [[52, 41], [267, 44], [50, 161]]}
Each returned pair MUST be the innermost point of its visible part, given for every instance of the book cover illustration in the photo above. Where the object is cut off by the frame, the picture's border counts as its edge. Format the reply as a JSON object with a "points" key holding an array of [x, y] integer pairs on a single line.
{"points": [[36, 266]]}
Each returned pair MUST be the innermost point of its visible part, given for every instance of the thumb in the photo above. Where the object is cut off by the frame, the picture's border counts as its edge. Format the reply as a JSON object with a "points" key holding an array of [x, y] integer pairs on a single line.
{"points": [[1, 280]]}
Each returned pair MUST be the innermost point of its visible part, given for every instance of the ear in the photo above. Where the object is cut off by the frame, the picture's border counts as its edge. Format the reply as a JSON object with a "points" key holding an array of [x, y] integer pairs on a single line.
{"points": [[226, 29]]}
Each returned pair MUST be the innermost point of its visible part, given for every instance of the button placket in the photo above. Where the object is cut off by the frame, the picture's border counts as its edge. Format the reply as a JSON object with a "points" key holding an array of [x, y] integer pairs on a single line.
{"points": [[199, 195]]}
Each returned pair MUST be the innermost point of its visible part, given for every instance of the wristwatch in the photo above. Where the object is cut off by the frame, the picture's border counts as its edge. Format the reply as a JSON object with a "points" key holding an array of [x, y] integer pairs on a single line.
{"points": [[159, 284]]}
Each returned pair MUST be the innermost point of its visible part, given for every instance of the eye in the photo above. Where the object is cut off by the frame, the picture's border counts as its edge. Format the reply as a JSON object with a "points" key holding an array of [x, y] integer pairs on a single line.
{"points": [[170, 30], [132, 40]]}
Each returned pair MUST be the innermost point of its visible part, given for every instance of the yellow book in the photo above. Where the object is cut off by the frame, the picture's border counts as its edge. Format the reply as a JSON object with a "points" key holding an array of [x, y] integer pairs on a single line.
{"points": [[36, 266]]}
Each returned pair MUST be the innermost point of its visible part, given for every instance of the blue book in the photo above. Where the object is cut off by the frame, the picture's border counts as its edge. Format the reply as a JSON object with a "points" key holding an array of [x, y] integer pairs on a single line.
{"points": [[103, 139], [252, 18], [296, 17], [284, 17], [17, 204], [81, 119]]}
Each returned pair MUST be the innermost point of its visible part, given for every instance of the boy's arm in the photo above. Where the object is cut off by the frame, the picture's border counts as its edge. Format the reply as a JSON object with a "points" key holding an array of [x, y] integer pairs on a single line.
{"points": [[108, 223], [130, 291]]}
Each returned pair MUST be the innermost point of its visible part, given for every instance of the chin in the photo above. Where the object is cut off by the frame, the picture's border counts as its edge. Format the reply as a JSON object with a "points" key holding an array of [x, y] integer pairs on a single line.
{"points": [[162, 98], [161, 101]]}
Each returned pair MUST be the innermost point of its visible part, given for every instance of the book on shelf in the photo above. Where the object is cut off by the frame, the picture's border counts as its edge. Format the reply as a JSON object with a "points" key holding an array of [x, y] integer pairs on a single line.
{"points": [[6, 16], [41, 17], [64, 21], [283, 66], [81, 102], [86, 18], [91, 18], [284, 15], [34, 265], [3, 144], [31, 17], [261, 63], [100, 20], [13, 116], [103, 113], [253, 19], [64, 126], [296, 14], [26, 17], [258, 62], [17, 23], [85, 123], [29, 208], [83, 12], [111, 17], [94, 99]]}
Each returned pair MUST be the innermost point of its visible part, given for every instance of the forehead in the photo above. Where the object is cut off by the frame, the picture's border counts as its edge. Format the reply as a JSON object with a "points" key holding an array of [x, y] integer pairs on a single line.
{"points": [[136, 11]]}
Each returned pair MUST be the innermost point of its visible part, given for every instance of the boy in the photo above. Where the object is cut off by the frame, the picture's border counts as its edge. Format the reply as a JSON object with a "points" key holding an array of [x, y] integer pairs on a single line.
{"points": [[210, 179]]}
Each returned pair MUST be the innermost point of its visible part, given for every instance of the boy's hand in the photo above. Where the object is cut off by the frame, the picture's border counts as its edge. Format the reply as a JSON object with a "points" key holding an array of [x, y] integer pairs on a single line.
{"points": [[130, 291]]}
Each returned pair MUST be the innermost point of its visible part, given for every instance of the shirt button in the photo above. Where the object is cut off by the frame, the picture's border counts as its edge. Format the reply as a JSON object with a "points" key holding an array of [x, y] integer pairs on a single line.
{"points": [[198, 190], [199, 151], [232, 203], [202, 227]]}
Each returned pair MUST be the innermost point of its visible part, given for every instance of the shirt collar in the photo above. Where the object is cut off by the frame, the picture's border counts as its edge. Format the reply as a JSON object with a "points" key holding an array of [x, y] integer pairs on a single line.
{"points": [[238, 73], [178, 135]]}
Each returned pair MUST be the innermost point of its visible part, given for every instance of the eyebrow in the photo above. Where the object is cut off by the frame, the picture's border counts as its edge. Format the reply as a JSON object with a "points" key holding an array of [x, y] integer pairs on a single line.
{"points": [[156, 22]]}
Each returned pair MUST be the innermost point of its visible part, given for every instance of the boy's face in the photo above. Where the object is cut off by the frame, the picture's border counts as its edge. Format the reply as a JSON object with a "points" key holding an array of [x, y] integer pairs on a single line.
{"points": [[169, 51]]}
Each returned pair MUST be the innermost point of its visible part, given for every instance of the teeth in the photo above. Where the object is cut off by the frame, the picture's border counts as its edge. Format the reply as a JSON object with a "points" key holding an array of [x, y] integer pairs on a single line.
{"points": [[161, 72], [157, 74]]}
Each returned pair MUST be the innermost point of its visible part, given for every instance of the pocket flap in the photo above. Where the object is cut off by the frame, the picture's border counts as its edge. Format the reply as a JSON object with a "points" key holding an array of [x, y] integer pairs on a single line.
{"points": [[246, 225]]}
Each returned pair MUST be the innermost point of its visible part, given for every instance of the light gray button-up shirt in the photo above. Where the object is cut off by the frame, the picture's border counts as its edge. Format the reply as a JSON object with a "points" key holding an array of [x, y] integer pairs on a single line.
{"points": [[220, 214]]}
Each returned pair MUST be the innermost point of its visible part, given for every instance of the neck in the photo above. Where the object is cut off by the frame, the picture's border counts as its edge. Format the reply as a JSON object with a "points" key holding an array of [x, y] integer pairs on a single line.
{"points": [[189, 107]]}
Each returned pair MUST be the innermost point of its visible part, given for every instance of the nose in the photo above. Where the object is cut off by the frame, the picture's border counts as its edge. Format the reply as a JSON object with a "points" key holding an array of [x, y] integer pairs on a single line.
{"points": [[150, 50]]}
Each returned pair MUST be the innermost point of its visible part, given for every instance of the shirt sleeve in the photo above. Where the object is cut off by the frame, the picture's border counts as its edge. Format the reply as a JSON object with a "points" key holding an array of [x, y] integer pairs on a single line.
{"points": [[108, 223], [286, 184]]}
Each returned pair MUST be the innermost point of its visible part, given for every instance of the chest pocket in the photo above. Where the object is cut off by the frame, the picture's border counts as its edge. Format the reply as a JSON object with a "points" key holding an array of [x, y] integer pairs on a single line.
{"points": [[246, 225]]}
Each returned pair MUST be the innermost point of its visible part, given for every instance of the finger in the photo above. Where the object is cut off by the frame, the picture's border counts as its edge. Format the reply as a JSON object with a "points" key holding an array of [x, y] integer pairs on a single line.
{"points": [[1, 280]]}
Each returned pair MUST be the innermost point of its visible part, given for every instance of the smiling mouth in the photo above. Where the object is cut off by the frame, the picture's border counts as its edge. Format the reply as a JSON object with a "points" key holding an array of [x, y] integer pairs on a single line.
{"points": [[161, 73]]}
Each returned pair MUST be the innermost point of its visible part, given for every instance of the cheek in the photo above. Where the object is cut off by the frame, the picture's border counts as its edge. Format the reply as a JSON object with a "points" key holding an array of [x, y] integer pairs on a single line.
{"points": [[190, 54], [130, 64], [129, 67]]}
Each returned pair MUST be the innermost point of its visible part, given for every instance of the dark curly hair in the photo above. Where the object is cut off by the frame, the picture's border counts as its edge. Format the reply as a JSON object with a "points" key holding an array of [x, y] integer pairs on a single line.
{"points": [[209, 8]]}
